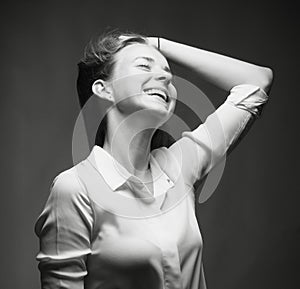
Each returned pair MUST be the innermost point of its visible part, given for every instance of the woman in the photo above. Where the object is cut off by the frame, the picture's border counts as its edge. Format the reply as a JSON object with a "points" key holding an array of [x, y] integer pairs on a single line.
{"points": [[125, 216]]}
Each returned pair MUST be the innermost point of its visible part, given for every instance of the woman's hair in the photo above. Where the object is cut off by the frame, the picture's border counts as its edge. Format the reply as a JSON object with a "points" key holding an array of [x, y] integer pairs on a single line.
{"points": [[98, 63]]}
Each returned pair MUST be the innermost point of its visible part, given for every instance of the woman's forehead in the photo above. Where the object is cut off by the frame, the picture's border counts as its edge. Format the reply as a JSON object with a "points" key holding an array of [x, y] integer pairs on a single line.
{"points": [[133, 52]]}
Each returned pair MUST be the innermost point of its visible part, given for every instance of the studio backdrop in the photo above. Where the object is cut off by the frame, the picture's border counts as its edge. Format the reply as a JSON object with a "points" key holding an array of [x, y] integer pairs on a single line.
{"points": [[250, 224]]}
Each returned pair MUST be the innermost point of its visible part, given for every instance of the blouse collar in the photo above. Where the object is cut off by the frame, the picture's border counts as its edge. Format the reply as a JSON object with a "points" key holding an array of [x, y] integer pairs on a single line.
{"points": [[115, 175]]}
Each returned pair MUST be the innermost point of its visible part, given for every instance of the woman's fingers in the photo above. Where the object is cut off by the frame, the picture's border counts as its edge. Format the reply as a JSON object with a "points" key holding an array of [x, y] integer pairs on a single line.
{"points": [[153, 41], [124, 37]]}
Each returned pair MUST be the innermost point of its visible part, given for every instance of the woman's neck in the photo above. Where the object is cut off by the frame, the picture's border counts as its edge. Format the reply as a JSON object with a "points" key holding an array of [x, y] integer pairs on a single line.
{"points": [[128, 141]]}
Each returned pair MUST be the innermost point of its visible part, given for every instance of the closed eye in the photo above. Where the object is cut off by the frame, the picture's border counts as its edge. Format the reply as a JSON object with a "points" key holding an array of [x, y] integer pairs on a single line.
{"points": [[144, 66]]}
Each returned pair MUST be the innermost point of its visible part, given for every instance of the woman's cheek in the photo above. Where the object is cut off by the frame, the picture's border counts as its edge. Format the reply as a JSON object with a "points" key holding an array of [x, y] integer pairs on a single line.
{"points": [[129, 102], [173, 92]]}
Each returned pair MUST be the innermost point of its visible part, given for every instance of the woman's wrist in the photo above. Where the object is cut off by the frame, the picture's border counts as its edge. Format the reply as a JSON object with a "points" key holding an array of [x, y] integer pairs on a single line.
{"points": [[155, 42]]}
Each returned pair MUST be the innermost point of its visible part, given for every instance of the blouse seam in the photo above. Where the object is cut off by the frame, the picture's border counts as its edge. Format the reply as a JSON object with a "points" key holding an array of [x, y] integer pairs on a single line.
{"points": [[83, 187], [59, 283], [56, 225]]}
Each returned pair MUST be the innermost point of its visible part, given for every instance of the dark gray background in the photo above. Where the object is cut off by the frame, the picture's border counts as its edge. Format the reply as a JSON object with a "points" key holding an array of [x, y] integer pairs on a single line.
{"points": [[250, 225]]}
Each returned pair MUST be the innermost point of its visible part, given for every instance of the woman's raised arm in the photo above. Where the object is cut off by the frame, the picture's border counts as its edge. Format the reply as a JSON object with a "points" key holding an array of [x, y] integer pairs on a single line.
{"points": [[247, 84], [222, 71]]}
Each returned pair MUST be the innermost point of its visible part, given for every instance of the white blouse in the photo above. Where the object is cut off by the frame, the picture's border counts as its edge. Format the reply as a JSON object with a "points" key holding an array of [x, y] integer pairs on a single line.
{"points": [[101, 228]]}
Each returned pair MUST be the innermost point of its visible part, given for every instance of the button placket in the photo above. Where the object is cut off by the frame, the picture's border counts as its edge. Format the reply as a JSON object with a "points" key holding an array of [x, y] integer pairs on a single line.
{"points": [[171, 266], [170, 256]]}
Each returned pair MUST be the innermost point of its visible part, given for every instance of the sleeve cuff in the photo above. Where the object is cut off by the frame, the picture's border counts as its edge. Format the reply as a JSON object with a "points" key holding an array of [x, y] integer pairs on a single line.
{"points": [[248, 97]]}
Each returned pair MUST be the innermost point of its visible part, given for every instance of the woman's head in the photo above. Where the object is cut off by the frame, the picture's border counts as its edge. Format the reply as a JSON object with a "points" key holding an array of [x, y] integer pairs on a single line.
{"points": [[99, 59], [137, 73]]}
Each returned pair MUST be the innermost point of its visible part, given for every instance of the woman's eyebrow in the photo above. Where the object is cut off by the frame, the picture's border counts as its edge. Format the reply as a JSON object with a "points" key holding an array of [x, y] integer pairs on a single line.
{"points": [[150, 59]]}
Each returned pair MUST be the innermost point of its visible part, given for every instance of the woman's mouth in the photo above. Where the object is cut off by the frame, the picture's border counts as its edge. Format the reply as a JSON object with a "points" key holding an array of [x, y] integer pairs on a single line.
{"points": [[161, 92]]}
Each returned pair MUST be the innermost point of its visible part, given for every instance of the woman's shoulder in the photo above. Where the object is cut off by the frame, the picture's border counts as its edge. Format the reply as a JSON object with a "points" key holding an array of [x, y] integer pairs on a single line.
{"points": [[66, 201], [66, 183]]}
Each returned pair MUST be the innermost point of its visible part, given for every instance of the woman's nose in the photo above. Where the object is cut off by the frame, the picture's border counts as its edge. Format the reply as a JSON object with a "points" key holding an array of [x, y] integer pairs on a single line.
{"points": [[163, 76]]}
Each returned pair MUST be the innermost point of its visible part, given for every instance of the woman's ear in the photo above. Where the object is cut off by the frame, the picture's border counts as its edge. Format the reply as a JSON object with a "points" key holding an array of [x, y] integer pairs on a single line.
{"points": [[100, 89]]}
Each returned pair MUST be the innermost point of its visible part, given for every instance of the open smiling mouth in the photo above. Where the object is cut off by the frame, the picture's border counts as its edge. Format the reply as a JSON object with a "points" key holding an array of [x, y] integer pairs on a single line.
{"points": [[158, 92]]}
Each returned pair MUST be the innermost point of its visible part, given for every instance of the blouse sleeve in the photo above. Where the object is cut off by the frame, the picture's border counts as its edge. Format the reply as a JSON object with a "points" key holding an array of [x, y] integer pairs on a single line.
{"points": [[64, 229], [198, 151]]}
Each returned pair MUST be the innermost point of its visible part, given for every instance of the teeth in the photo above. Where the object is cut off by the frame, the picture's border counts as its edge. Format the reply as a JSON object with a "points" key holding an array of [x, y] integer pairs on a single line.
{"points": [[157, 91]]}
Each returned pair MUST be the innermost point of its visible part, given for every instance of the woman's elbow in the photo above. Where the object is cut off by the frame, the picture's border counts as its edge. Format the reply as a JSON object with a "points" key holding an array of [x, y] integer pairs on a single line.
{"points": [[266, 79]]}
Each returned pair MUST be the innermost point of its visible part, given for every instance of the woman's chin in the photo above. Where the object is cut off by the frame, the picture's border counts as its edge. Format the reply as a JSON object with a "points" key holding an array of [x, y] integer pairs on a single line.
{"points": [[159, 116]]}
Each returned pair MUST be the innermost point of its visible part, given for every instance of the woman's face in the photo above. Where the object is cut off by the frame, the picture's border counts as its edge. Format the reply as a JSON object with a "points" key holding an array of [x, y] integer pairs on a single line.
{"points": [[142, 79]]}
